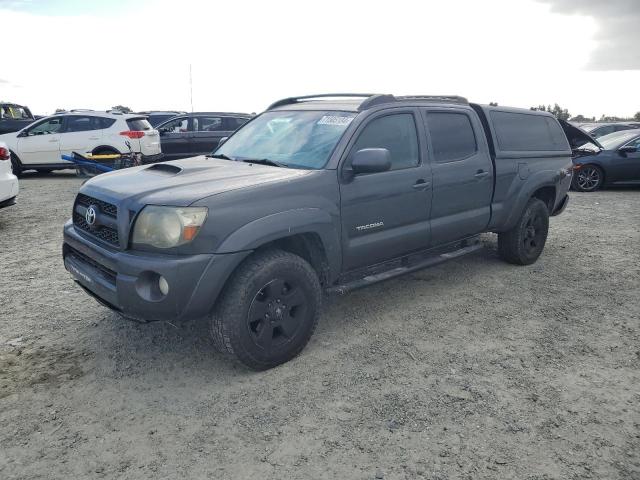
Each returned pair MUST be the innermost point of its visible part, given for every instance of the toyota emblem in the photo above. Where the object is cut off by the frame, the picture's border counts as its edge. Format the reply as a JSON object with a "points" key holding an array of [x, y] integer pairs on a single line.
{"points": [[90, 215]]}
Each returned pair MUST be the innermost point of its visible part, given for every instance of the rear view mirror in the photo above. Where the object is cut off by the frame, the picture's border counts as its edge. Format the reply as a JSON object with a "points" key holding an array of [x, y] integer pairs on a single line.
{"points": [[371, 160], [628, 149]]}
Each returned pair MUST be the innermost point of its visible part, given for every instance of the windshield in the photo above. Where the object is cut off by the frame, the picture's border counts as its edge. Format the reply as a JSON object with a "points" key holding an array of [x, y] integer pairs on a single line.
{"points": [[614, 140], [297, 139]]}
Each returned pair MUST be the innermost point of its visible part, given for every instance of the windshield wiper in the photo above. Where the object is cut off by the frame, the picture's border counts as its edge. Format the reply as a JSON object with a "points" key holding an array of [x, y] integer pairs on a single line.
{"points": [[265, 161], [220, 155]]}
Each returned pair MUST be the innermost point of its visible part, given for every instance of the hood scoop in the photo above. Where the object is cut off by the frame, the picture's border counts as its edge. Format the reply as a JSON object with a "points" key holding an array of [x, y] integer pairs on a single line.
{"points": [[164, 169]]}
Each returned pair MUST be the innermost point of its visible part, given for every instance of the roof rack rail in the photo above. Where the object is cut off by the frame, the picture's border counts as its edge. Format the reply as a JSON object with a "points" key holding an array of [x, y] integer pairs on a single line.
{"points": [[292, 100], [436, 98], [81, 110], [374, 100]]}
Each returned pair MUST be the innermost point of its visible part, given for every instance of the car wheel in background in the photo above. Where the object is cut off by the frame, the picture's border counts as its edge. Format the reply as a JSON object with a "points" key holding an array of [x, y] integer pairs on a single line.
{"points": [[523, 244], [268, 310], [588, 178]]}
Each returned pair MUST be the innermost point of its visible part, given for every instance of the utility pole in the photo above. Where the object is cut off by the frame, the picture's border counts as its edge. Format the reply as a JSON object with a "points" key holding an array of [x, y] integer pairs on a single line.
{"points": [[191, 87]]}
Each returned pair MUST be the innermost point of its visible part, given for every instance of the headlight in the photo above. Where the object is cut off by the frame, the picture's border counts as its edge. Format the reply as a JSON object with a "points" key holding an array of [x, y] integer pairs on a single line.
{"points": [[166, 227]]}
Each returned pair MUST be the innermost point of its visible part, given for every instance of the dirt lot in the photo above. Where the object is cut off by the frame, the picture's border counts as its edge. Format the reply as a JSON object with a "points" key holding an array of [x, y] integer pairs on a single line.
{"points": [[474, 369]]}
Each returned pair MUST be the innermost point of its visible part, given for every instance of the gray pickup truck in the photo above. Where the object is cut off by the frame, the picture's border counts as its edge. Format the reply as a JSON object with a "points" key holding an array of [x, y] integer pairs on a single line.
{"points": [[317, 194]]}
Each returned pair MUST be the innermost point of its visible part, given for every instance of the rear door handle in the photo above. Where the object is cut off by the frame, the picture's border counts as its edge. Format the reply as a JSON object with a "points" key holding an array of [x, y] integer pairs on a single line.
{"points": [[53, 140], [481, 174], [421, 185]]}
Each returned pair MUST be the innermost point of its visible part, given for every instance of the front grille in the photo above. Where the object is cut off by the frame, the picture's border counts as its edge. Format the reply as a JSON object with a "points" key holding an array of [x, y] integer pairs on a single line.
{"points": [[106, 272], [105, 233], [105, 207]]}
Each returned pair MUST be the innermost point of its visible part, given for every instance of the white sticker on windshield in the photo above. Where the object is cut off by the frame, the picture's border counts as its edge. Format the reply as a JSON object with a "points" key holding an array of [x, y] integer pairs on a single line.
{"points": [[335, 120]]}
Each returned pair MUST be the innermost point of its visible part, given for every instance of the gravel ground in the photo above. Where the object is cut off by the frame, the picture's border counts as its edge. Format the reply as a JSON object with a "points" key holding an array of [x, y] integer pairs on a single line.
{"points": [[473, 369]]}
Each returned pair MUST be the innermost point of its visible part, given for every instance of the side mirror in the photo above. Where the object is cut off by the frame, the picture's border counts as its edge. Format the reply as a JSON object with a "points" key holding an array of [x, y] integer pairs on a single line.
{"points": [[23, 133], [222, 140], [628, 149], [162, 131], [371, 160]]}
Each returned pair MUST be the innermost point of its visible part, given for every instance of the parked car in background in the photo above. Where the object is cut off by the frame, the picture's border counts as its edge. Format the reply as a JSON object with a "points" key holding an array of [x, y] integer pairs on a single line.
{"points": [[40, 145], [597, 130], [198, 133], [14, 117], [612, 159], [324, 193], [156, 117], [8, 181]]}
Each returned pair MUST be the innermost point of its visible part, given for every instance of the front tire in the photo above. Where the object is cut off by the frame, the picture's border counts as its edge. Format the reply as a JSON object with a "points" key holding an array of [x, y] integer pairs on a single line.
{"points": [[523, 244], [588, 178], [268, 310]]}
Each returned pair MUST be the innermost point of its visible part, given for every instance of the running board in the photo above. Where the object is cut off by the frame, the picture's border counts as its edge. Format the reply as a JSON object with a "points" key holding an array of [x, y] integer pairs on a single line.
{"points": [[396, 272]]}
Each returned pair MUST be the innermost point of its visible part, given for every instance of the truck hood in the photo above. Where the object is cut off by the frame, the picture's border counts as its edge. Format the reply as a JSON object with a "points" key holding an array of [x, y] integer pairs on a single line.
{"points": [[577, 137], [182, 182]]}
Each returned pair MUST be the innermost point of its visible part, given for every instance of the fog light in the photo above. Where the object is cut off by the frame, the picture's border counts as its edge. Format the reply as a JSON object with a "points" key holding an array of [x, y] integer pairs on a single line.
{"points": [[163, 285]]}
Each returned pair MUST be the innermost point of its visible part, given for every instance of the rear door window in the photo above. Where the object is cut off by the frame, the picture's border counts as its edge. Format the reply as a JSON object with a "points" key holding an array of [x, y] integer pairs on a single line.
{"points": [[209, 124], [81, 123], [522, 132], [452, 136]]}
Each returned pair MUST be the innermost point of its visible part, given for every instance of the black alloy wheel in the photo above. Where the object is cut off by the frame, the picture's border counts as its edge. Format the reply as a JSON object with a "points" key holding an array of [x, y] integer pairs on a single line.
{"points": [[268, 310], [276, 313]]}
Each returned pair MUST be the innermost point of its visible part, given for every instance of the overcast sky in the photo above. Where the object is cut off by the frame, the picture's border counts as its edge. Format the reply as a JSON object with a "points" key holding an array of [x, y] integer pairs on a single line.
{"points": [[245, 54]]}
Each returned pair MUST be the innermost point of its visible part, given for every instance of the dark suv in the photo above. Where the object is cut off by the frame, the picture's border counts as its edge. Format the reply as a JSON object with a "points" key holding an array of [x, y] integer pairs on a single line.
{"points": [[14, 117], [317, 194], [198, 133]]}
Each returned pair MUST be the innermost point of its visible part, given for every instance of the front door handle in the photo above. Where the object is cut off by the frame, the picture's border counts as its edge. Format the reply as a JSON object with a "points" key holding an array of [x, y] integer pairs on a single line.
{"points": [[421, 184], [480, 174], [53, 140]]}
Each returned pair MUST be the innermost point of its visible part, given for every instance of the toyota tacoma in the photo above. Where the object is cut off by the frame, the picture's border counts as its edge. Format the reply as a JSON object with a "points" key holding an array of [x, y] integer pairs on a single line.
{"points": [[318, 194]]}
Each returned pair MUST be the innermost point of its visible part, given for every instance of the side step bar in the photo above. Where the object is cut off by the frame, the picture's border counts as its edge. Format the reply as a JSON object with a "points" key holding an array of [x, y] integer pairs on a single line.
{"points": [[396, 272]]}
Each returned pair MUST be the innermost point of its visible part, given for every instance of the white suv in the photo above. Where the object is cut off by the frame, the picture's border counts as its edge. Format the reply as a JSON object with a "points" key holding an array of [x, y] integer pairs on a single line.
{"points": [[40, 145], [8, 181]]}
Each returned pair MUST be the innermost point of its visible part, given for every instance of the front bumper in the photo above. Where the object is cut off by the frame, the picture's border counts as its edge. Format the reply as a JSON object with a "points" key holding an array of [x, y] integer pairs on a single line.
{"points": [[128, 282]]}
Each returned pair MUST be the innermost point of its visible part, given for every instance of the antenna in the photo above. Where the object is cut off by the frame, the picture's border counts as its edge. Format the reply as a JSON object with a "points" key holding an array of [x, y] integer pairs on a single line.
{"points": [[191, 88]]}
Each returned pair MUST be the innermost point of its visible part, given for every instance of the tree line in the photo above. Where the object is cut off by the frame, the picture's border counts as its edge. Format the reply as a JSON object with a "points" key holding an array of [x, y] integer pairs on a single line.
{"points": [[563, 114]]}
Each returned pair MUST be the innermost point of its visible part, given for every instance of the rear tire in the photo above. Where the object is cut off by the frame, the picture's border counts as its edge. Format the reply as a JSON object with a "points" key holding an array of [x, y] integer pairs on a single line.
{"points": [[588, 178], [523, 244], [268, 310]]}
